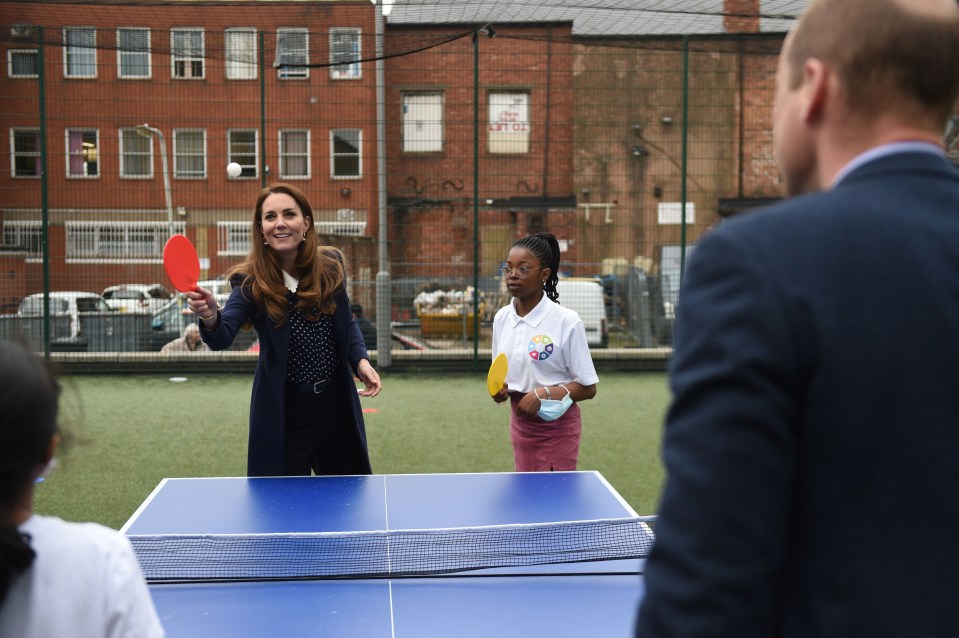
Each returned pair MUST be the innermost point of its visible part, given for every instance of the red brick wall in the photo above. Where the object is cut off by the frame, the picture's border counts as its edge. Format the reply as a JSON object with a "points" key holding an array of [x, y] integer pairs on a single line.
{"points": [[534, 59]]}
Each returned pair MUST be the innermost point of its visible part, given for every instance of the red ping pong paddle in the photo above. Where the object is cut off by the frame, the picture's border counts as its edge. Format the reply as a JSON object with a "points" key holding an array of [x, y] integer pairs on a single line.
{"points": [[181, 263]]}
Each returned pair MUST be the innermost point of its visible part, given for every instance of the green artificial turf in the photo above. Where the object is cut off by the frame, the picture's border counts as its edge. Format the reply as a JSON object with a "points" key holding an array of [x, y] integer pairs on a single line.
{"points": [[125, 433]]}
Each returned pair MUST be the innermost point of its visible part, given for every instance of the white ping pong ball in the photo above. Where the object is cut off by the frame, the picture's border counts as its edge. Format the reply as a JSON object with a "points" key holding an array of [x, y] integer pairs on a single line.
{"points": [[233, 169]]}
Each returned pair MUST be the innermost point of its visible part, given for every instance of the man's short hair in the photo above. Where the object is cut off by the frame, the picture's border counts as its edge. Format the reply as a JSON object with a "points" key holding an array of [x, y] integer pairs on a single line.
{"points": [[883, 52]]}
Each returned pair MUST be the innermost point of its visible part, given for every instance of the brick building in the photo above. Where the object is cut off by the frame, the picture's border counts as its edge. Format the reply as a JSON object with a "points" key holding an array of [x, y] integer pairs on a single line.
{"points": [[524, 155], [252, 82], [578, 118]]}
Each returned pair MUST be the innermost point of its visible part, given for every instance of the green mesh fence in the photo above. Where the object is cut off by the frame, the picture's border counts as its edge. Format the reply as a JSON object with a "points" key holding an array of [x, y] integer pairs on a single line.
{"points": [[427, 142]]}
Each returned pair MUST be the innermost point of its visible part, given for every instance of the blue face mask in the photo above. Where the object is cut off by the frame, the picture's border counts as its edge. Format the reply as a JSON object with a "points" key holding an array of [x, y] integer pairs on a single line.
{"points": [[550, 409]]}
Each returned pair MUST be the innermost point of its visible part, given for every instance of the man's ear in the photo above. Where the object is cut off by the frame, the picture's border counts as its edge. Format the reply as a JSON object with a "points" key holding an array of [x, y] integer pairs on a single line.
{"points": [[816, 90]]}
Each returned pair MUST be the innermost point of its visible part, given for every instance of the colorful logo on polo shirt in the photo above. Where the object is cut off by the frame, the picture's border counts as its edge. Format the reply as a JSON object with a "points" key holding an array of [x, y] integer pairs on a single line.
{"points": [[540, 348]]}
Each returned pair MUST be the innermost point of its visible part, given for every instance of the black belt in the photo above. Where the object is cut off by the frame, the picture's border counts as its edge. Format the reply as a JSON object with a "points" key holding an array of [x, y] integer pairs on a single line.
{"points": [[311, 388]]}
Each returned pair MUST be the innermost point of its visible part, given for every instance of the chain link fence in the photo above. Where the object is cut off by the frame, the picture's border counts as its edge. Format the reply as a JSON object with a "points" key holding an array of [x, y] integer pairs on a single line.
{"points": [[426, 150]]}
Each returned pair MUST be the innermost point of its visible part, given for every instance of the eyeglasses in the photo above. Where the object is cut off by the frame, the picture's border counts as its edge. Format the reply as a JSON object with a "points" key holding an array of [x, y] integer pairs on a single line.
{"points": [[520, 272]]}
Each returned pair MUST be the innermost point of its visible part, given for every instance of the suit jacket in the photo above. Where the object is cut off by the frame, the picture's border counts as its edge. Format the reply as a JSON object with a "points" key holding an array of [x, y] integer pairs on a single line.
{"points": [[812, 446], [267, 406]]}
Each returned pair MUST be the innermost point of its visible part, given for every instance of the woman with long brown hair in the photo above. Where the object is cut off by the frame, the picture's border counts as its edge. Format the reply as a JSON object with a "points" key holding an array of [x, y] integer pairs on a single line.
{"points": [[305, 413]]}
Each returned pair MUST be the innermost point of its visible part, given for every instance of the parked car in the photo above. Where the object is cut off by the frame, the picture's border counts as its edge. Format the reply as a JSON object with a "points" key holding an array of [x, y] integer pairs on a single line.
{"points": [[169, 321], [65, 302], [585, 296], [670, 267], [143, 298]]}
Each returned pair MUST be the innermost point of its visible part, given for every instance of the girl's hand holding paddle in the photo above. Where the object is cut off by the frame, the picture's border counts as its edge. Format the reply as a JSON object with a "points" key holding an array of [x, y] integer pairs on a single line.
{"points": [[203, 304]]}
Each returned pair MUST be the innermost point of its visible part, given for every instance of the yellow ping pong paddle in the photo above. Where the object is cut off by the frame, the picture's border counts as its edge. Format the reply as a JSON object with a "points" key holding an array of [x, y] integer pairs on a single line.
{"points": [[497, 374]]}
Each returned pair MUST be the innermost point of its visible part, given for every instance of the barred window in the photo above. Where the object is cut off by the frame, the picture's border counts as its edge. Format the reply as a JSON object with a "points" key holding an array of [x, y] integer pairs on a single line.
{"points": [[118, 241], [233, 238], [243, 150], [26, 235]]}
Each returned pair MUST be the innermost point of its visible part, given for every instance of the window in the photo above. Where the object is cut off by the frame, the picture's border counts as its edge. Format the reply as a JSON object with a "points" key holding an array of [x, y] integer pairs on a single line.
{"points": [[240, 45], [82, 151], [133, 53], [343, 221], [233, 238], [242, 150], [294, 153], [189, 153], [136, 154], [345, 54], [25, 148], [422, 122], [118, 241], [26, 235], [187, 53], [292, 53], [672, 213], [22, 63], [509, 122], [79, 52], [345, 160]]}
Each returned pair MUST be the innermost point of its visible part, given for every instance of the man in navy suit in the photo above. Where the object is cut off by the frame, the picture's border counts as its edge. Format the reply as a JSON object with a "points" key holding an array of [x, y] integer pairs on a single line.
{"points": [[812, 447]]}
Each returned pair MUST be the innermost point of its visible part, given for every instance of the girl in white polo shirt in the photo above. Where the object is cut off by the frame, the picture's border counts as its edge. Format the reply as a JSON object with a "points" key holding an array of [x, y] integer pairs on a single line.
{"points": [[550, 369]]}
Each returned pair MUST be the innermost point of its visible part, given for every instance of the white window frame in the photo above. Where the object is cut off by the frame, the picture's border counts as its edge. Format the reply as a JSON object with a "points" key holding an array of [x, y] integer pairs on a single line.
{"points": [[283, 155], [71, 154], [124, 153], [188, 60], [87, 241], [123, 54], [10, 55], [70, 52], [351, 70], [233, 239], [297, 73], [423, 142], [507, 132], [14, 155], [20, 232], [358, 154], [234, 158], [239, 63], [179, 156]]}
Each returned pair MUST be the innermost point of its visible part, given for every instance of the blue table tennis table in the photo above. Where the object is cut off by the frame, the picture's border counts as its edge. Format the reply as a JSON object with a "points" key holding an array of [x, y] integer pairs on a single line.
{"points": [[586, 599]]}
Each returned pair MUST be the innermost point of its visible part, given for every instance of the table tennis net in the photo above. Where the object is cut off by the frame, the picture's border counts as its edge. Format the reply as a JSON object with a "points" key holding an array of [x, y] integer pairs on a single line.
{"points": [[382, 554]]}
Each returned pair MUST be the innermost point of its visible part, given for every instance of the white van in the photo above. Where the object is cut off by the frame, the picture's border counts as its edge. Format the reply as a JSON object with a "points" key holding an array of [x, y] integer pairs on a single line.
{"points": [[585, 296]]}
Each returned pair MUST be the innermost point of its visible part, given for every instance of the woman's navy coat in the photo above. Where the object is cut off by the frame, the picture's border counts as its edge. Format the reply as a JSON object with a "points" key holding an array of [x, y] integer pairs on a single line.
{"points": [[267, 406]]}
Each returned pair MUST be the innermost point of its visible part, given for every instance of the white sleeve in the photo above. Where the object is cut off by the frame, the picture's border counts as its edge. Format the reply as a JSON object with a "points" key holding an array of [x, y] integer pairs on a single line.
{"points": [[580, 362], [131, 613], [497, 329]]}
